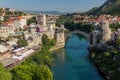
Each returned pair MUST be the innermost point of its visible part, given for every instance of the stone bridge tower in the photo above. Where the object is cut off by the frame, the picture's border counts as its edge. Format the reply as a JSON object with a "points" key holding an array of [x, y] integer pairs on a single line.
{"points": [[41, 19], [59, 37], [106, 31]]}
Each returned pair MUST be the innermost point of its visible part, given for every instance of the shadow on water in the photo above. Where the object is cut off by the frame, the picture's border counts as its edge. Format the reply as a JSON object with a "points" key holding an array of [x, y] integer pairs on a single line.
{"points": [[72, 63]]}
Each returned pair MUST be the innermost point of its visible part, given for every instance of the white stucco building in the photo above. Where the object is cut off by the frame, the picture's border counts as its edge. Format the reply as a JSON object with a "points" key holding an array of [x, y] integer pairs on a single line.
{"points": [[20, 23], [6, 31], [1, 18]]}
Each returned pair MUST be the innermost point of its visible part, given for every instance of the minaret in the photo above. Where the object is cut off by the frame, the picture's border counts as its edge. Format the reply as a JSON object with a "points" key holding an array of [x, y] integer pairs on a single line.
{"points": [[44, 20]]}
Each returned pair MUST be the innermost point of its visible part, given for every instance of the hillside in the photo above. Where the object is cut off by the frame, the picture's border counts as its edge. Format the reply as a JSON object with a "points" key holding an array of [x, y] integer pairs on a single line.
{"points": [[11, 12], [109, 7]]}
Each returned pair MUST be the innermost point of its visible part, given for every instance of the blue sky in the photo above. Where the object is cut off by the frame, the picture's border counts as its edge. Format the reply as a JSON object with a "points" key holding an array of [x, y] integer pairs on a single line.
{"points": [[49, 5]]}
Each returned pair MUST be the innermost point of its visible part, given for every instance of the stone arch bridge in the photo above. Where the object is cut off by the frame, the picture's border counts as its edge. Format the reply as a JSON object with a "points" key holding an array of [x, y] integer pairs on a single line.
{"points": [[82, 33]]}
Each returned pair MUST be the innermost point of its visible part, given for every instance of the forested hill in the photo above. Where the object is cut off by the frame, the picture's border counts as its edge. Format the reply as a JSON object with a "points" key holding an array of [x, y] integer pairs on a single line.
{"points": [[109, 7]]}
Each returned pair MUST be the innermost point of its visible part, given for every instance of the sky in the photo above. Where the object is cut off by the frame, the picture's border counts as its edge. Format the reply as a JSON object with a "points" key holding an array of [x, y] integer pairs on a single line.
{"points": [[51, 5]]}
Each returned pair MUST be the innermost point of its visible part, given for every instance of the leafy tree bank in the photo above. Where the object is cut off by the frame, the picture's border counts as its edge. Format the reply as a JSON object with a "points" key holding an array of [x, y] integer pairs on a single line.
{"points": [[86, 27], [69, 24], [4, 74], [107, 59], [35, 67]]}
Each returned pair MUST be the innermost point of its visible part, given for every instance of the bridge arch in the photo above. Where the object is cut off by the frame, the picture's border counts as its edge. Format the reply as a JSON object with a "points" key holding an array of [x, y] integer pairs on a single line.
{"points": [[82, 33]]}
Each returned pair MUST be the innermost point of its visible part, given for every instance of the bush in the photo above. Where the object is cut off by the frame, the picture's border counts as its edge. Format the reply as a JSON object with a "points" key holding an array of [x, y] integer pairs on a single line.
{"points": [[4, 74], [22, 43]]}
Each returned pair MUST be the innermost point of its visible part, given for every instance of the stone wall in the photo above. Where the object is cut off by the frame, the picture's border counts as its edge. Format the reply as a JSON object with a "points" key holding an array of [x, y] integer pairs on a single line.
{"points": [[60, 39]]}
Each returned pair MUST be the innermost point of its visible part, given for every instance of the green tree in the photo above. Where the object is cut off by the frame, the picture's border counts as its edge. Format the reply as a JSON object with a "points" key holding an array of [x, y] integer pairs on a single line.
{"points": [[0, 39], [52, 42], [47, 43], [43, 57], [8, 38], [114, 26], [4, 74], [118, 43], [22, 43], [86, 27], [0, 22], [23, 72], [8, 13], [45, 40], [43, 73], [31, 20], [36, 67], [64, 19]]}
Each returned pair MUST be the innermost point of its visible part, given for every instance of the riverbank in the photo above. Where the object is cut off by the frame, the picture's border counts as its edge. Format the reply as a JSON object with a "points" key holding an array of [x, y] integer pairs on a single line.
{"points": [[101, 72], [97, 64], [56, 48], [35, 66], [105, 77], [106, 64]]}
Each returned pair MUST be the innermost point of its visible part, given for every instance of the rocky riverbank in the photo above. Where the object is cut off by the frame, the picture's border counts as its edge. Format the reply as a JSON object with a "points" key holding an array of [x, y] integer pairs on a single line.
{"points": [[56, 47], [105, 63], [101, 72]]}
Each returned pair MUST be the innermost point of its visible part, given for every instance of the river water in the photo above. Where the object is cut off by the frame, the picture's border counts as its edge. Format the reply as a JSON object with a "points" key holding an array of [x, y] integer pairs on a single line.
{"points": [[72, 63]]}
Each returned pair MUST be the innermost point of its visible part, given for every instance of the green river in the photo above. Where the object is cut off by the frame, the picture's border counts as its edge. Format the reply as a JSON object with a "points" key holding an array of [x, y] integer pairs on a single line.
{"points": [[72, 62]]}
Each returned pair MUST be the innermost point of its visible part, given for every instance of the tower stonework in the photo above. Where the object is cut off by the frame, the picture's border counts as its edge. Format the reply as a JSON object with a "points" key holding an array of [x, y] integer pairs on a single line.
{"points": [[41, 19], [106, 31], [59, 37]]}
